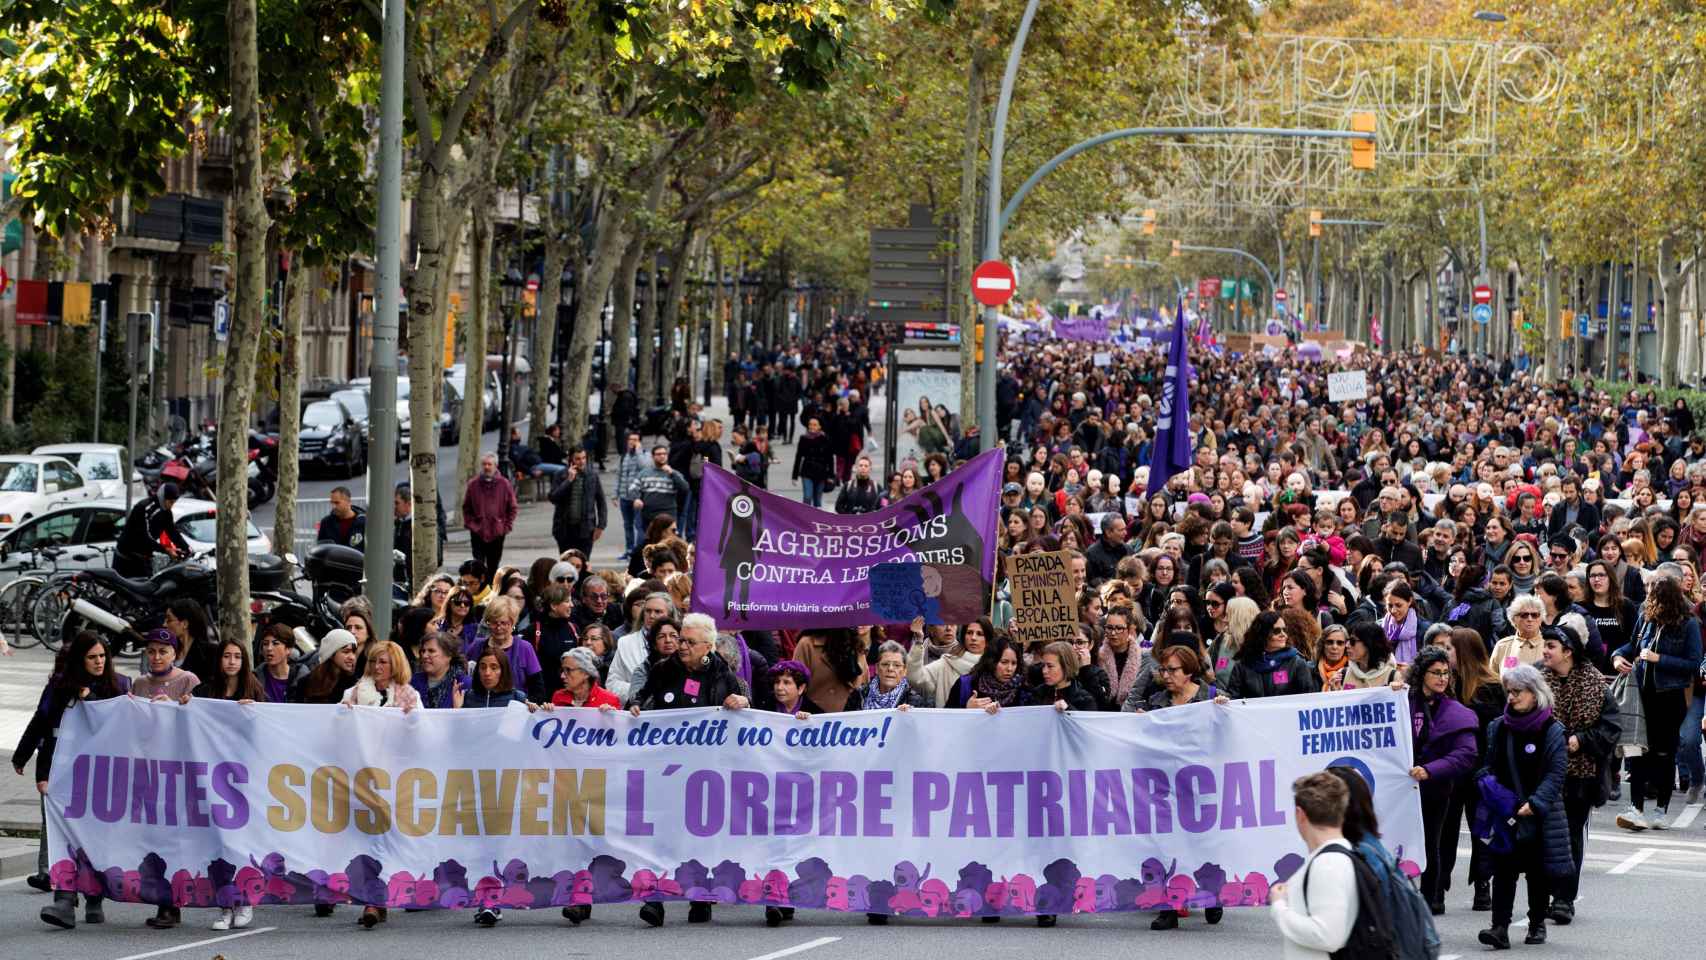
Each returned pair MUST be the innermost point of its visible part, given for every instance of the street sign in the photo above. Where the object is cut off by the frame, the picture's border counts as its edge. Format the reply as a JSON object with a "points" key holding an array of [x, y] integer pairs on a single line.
{"points": [[1208, 288], [1280, 295], [1582, 324], [993, 283], [221, 320], [1483, 294], [1483, 313]]}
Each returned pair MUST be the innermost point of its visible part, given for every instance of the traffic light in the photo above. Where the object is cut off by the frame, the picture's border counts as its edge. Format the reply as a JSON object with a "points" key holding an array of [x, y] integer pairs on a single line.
{"points": [[1362, 151], [1315, 223], [979, 335], [1175, 248], [1149, 222]]}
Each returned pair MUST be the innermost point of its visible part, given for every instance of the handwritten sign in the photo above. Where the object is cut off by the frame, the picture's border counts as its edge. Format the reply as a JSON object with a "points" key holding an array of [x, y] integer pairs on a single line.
{"points": [[1347, 385], [1045, 607]]}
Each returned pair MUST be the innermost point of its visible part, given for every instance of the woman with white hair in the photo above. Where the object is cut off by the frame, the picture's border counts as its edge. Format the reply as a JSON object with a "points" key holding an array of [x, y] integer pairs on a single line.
{"points": [[1522, 796], [1527, 614]]}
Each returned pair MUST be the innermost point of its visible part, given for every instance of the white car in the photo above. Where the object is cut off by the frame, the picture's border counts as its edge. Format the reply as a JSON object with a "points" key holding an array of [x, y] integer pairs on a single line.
{"points": [[103, 465], [85, 535], [32, 485]]}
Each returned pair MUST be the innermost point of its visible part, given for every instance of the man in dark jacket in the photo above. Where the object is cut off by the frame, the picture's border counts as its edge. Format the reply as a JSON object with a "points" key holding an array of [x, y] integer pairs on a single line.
{"points": [[344, 524], [149, 528], [656, 489], [579, 513], [1393, 545], [860, 495], [788, 393], [403, 528], [1103, 558], [1571, 511]]}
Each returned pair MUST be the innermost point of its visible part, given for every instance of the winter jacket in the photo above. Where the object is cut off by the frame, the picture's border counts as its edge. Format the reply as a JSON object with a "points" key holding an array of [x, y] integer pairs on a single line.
{"points": [[475, 697], [936, 679], [366, 694], [1271, 675], [488, 507], [857, 498], [441, 697], [1164, 699], [350, 533], [1076, 697], [1478, 611], [667, 685], [814, 457], [1545, 796], [1679, 654], [1102, 560], [292, 682], [595, 697], [658, 489], [1444, 741], [634, 463], [551, 638], [594, 509], [524, 668]]}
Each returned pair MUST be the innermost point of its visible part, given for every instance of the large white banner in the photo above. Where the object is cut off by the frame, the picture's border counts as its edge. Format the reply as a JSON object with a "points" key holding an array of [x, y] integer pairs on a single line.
{"points": [[929, 812]]}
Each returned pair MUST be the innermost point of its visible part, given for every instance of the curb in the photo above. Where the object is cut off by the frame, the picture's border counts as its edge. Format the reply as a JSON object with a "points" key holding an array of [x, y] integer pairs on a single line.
{"points": [[19, 864]]}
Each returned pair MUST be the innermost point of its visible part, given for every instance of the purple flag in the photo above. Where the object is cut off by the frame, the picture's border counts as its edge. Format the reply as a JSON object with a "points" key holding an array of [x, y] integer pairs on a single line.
{"points": [[1087, 329], [1172, 452], [765, 562]]}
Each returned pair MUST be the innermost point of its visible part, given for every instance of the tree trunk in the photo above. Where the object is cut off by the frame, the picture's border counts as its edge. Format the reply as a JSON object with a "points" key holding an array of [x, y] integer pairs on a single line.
{"points": [[545, 334], [290, 409], [1550, 335], [1672, 277], [606, 252], [433, 247], [237, 378], [1613, 302], [474, 346], [645, 356], [670, 315], [719, 324], [617, 371], [964, 255]]}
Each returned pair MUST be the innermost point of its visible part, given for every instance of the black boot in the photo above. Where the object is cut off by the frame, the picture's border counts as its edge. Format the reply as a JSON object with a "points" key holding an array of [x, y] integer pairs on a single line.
{"points": [[93, 910], [578, 914], [1483, 897], [1046, 919], [652, 913], [772, 916], [62, 912], [1536, 932], [40, 881], [323, 910], [699, 911], [165, 918], [1497, 936], [1563, 911], [877, 919], [1165, 920], [1213, 915]]}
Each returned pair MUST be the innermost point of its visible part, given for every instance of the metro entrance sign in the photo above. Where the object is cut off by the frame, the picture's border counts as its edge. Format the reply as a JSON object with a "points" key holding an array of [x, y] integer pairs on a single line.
{"points": [[993, 283]]}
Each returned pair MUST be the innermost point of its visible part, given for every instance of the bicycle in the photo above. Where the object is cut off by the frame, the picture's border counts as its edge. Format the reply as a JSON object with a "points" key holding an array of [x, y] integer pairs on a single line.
{"points": [[18, 598]]}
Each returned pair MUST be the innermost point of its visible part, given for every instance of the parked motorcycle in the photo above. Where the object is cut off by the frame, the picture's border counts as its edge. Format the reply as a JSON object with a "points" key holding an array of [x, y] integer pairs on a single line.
{"points": [[125, 609]]}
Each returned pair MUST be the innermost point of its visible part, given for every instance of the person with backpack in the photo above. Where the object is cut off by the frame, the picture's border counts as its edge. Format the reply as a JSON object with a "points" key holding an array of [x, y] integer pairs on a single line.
{"points": [[1412, 923], [1319, 920], [1522, 804]]}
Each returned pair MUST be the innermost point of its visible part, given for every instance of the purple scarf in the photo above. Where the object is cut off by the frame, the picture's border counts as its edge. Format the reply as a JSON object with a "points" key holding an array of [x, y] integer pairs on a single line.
{"points": [[1401, 637], [1531, 722]]}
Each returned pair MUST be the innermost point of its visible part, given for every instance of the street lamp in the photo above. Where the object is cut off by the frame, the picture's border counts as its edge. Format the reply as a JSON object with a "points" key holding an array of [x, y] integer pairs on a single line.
{"points": [[509, 300]]}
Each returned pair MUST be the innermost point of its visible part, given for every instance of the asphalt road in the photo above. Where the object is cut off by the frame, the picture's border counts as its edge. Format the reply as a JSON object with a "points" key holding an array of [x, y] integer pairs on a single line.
{"points": [[1640, 898]]}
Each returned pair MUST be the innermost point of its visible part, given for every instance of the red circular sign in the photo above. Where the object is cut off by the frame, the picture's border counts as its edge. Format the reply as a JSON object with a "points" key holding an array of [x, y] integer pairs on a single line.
{"points": [[1483, 294], [993, 283], [1279, 295]]}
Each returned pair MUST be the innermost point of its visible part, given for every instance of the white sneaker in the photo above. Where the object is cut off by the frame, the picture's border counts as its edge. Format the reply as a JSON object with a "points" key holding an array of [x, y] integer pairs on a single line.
{"points": [[243, 916], [1631, 819], [224, 921], [1661, 818]]}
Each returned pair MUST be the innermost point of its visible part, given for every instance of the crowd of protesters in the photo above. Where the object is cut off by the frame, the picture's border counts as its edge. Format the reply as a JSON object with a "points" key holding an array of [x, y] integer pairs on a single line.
{"points": [[1521, 558]]}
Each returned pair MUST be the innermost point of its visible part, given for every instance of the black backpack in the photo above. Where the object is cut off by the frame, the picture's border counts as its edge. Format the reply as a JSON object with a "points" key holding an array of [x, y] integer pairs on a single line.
{"points": [[1371, 932]]}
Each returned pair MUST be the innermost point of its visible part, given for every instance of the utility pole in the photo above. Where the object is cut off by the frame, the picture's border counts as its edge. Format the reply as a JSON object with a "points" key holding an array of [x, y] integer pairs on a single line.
{"points": [[383, 369]]}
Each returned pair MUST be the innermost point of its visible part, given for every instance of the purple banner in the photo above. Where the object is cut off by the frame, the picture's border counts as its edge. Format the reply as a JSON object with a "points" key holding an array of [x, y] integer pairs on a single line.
{"points": [[1087, 329], [765, 562]]}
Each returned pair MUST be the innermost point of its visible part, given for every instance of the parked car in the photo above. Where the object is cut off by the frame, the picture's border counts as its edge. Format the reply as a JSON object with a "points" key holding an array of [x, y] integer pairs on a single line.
{"points": [[490, 412], [31, 485], [104, 466], [357, 401], [85, 535], [331, 438], [403, 432]]}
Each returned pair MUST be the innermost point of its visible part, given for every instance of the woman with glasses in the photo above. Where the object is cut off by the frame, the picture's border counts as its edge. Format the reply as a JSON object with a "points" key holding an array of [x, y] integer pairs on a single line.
{"points": [[1608, 609], [1524, 562], [435, 593], [1445, 752], [501, 615], [1371, 659], [888, 688], [663, 641], [1527, 615], [457, 620], [1526, 758], [1121, 659], [1181, 673], [1267, 665], [1664, 657], [1629, 579], [1333, 655], [1584, 705]]}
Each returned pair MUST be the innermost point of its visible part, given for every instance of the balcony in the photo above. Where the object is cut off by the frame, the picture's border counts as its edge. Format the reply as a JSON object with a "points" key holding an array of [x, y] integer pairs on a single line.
{"points": [[172, 223]]}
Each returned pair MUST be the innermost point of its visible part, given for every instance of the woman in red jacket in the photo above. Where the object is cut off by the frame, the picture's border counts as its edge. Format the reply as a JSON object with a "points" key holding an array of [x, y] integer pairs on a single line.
{"points": [[580, 683]]}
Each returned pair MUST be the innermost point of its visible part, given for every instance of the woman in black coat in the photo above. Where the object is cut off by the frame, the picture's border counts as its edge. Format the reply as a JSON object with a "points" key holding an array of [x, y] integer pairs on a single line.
{"points": [[1267, 665], [87, 674], [695, 677], [1473, 607], [814, 463], [1526, 756]]}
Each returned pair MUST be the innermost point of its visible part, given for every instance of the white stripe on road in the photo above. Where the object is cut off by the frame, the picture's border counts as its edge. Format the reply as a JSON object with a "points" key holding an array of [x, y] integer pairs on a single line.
{"points": [[1649, 838], [1685, 819], [198, 943], [798, 948], [1632, 861]]}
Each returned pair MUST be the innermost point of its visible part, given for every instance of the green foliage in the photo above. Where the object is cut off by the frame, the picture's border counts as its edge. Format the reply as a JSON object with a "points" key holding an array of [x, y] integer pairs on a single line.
{"points": [[54, 394]]}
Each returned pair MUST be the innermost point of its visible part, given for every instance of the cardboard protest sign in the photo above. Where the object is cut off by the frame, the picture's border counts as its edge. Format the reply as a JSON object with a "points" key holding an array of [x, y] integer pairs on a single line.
{"points": [[1045, 607]]}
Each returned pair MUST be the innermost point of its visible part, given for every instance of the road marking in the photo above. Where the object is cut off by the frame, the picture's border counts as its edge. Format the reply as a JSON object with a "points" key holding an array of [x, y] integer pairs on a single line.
{"points": [[1685, 819], [798, 948], [1649, 839], [199, 943], [11, 880], [1632, 861]]}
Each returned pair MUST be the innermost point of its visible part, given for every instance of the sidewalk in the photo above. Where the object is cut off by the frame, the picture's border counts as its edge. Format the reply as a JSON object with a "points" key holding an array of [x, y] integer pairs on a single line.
{"points": [[532, 535]]}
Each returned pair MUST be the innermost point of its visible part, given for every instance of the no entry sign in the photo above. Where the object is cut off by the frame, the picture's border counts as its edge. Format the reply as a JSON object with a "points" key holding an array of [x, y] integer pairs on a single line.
{"points": [[993, 283], [1483, 294]]}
